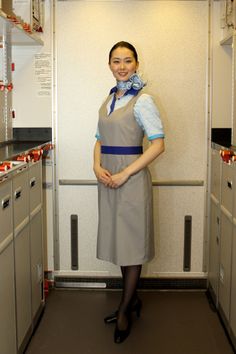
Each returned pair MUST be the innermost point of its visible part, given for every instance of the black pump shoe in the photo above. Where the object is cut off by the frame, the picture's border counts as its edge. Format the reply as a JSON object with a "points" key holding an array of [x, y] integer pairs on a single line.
{"points": [[121, 335], [136, 308]]}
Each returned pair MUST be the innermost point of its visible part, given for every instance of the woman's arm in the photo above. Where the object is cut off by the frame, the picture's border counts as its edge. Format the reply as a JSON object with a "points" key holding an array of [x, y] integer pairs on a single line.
{"points": [[102, 174], [155, 149]]}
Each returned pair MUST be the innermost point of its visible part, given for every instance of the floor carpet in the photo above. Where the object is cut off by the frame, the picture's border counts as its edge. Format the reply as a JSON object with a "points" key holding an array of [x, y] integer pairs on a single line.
{"points": [[171, 322]]}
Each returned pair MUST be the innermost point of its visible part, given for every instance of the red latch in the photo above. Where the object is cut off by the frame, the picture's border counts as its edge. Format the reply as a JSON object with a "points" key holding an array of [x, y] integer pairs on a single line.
{"points": [[24, 158], [5, 166], [10, 87], [48, 147], [226, 155], [36, 154]]}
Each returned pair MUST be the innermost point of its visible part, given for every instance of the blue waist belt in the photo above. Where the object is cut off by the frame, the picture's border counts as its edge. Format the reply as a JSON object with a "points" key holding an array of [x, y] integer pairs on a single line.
{"points": [[122, 150]]}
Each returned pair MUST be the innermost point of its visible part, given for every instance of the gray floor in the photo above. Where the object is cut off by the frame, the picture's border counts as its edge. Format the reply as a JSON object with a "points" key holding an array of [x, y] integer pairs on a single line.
{"points": [[170, 323]]}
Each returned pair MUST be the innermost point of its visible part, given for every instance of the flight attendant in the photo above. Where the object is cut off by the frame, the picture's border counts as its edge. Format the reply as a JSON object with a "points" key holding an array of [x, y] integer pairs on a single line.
{"points": [[125, 228]]}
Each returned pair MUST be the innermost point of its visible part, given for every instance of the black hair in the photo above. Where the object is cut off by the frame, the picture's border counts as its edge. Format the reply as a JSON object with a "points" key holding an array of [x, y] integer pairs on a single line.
{"points": [[124, 44]]}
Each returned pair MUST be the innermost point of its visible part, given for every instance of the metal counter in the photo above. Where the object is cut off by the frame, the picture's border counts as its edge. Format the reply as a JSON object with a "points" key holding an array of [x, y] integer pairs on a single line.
{"points": [[10, 150]]}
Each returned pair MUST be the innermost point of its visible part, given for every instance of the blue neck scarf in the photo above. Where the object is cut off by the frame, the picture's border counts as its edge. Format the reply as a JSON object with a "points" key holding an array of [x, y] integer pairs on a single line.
{"points": [[131, 87]]}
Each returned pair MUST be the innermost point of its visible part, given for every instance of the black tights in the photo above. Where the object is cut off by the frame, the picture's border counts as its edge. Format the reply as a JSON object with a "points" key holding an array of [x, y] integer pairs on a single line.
{"points": [[131, 275]]}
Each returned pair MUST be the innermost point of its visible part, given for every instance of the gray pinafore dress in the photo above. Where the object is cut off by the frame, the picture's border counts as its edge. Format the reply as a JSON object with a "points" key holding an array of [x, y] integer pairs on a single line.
{"points": [[125, 227]]}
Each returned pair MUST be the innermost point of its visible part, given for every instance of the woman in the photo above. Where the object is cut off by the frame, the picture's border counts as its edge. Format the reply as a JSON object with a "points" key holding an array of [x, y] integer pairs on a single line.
{"points": [[125, 230]]}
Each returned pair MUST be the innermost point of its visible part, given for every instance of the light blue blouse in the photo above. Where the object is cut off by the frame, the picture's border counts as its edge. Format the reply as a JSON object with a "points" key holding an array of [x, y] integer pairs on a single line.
{"points": [[146, 114]]}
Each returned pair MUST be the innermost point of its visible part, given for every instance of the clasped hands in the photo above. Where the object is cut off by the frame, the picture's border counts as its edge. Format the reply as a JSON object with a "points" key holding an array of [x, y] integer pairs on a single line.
{"points": [[109, 180]]}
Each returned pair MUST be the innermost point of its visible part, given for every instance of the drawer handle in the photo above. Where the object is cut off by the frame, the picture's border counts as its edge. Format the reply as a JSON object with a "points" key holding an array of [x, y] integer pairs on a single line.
{"points": [[6, 202], [18, 193], [32, 182], [230, 184], [21, 169]]}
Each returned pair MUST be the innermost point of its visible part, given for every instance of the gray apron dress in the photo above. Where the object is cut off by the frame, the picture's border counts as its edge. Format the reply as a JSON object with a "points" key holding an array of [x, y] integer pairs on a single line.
{"points": [[125, 228]]}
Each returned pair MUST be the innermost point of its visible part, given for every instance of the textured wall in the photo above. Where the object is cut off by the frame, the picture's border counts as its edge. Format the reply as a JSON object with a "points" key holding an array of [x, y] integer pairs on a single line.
{"points": [[221, 75], [171, 38]]}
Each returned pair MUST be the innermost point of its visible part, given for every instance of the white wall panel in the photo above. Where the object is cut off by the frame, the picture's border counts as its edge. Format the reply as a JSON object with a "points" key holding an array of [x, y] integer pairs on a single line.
{"points": [[171, 204], [171, 38], [82, 201], [221, 75]]}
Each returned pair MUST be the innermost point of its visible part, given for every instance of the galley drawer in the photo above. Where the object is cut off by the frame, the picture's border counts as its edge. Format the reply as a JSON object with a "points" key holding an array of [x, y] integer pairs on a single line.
{"points": [[5, 209], [227, 187], [215, 173], [35, 185], [20, 197]]}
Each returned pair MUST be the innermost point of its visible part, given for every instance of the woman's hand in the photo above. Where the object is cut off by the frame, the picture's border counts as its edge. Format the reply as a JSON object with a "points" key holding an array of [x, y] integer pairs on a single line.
{"points": [[102, 175], [118, 179]]}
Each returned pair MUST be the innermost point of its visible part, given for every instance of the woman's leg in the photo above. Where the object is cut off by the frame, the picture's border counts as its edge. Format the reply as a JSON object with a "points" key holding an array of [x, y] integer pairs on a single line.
{"points": [[131, 275], [135, 303]]}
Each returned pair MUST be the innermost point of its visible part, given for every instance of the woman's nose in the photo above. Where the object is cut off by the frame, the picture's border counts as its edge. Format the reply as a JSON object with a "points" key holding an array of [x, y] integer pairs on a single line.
{"points": [[122, 65]]}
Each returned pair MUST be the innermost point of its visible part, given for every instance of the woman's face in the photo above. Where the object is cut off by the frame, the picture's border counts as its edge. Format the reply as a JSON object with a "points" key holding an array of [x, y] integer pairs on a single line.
{"points": [[123, 63]]}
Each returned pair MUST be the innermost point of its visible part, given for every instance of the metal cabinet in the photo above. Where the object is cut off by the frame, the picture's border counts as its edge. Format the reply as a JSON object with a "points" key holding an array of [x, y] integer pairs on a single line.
{"points": [[216, 167], [214, 224], [233, 275], [213, 274], [20, 195], [21, 255], [225, 264], [222, 241], [233, 288], [7, 301], [6, 87], [36, 239], [2, 104], [23, 289], [35, 182], [36, 265], [226, 239], [7, 288]]}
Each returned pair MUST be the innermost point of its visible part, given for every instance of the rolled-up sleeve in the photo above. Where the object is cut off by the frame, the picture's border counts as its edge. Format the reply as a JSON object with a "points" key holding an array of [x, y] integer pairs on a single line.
{"points": [[148, 117]]}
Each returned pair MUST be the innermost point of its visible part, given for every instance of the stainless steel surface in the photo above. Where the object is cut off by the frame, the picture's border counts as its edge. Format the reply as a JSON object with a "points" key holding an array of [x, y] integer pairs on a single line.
{"points": [[21, 225], [19, 35], [82, 285], [35, 184], [89, 182], [11, 150], [23, 282], [6, 222], [7, 290], [20, 201], [7, 301], [6, 94], [37, 269]]}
